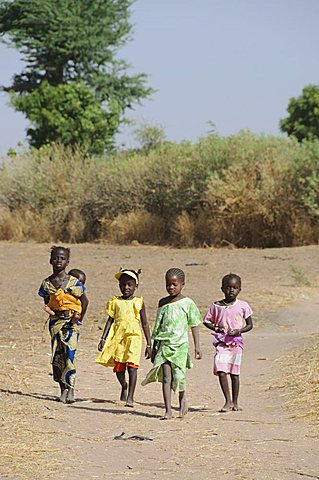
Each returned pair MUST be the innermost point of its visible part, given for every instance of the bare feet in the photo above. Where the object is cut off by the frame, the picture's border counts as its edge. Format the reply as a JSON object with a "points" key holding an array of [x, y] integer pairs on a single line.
{"points": [[167, 416], [226, 408], [64, 395], [129, 403], [183, 407], [123, 396], [70, 396], [236, 408]]}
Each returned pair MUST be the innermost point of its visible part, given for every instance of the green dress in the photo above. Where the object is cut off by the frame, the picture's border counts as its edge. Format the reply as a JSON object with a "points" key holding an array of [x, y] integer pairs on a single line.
{"points": [[171, 335]]}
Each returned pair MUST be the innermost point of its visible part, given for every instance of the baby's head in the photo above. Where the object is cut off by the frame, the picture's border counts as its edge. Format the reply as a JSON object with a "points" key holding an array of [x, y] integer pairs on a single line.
{"points": [[75, 272]]}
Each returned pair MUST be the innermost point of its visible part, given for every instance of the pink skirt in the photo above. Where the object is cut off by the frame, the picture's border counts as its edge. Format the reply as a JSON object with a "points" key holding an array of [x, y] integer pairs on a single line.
{"points": [[227, 359]]}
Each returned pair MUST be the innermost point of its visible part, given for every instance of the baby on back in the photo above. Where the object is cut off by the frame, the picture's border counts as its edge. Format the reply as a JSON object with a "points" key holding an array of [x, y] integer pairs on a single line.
{"points": [[65, 300]]}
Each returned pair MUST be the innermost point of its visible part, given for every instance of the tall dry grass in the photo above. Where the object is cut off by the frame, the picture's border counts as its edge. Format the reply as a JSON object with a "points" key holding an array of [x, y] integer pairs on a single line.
{"points": [[244, 190], [256, 205], [138, 225], [301, 379]]}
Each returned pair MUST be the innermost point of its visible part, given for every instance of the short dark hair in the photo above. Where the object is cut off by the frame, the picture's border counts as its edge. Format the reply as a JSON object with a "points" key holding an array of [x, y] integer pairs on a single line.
{"points": [[175, 272], [231, 276], [75, 272], [54, 248]]}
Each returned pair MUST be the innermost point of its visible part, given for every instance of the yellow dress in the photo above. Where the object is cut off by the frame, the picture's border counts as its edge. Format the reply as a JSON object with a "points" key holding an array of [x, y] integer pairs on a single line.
{"points": [[124, 341]]}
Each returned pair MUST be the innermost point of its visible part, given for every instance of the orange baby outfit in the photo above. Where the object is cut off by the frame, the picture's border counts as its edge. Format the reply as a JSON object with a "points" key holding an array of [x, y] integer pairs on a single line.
{"points": [[61, 300]]}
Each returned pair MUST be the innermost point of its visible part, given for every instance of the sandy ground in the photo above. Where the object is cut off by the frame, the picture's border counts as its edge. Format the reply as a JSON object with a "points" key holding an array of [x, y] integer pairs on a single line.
{"points": [[42, 438]]}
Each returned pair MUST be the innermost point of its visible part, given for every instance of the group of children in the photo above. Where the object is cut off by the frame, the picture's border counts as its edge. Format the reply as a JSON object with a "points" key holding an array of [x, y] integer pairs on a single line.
{"points": [[121, 343]]}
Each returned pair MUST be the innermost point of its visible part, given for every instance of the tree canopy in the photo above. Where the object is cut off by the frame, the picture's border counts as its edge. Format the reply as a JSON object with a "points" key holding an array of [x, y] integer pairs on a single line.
{"points": [[73, 89], [303, 119]]}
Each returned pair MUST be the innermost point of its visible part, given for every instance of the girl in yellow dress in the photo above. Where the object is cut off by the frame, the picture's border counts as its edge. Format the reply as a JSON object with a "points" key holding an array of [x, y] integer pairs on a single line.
{"points": [[121, 342]]}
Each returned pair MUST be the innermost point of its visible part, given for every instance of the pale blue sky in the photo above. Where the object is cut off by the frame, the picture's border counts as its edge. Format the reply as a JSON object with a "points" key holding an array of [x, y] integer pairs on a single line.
{"points": [[234, 62]]}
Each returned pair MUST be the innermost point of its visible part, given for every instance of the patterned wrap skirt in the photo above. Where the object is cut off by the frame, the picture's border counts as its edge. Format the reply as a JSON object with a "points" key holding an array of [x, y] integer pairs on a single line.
{"points": [[64, 342]]}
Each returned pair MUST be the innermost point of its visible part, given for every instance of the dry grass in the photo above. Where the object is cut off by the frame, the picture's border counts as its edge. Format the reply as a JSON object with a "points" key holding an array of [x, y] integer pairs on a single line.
{"points": [[301, 379], [10, 225], [183, 229], [20, 225], [28, 448], [138, 225], [256, 205], [246, 190]]}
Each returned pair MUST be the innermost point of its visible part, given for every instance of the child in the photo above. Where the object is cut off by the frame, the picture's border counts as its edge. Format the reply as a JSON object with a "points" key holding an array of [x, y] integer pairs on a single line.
{"points": [[229, 318], [81, 276], [121, 342], [65, 296], [170, 349]]}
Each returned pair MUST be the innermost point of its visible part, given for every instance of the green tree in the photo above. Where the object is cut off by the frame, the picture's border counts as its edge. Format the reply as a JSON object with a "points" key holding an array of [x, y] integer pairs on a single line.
{"points": [[303, 119], [149, 136], [72, 88]]}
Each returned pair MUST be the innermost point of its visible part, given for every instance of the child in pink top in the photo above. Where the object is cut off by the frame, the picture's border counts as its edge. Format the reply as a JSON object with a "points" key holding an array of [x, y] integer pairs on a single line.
{"points": [[229, 318]]}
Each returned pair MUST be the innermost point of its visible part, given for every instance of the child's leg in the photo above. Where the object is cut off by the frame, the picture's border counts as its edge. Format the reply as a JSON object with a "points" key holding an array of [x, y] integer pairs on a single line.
{"points": [[132, 374], [70, 396], [183, 407], [235, 391], [64, 395], [62, 386], [67, 393], [167, 389], [121, 378], [223, 381]]}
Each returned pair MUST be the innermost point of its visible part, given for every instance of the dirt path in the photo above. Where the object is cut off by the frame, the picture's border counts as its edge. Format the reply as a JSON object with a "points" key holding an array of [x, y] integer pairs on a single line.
{"points": [[261, 442]]}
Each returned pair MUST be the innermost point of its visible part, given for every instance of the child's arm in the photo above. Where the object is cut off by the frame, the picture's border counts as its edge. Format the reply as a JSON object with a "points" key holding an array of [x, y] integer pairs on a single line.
{"points": [[161, 302], [146, 330], [48, 310], [213, 327], [78, 317], [209, 320], [46, 307], [84, 302], [195, 334], [246, 328], [105, 333], [154, 351]]}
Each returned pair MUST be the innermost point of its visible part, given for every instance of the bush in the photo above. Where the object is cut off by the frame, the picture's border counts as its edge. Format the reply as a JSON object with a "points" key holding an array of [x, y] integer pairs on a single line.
{"points": [[244, 190], [138, 225]]}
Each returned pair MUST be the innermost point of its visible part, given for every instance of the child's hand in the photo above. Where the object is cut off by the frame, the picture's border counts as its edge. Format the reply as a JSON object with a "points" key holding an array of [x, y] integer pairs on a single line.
{"points": [[148, 352], [218, 329], [48, 310], [101, 344], [234, 333], [198, 354], [153, 354]]}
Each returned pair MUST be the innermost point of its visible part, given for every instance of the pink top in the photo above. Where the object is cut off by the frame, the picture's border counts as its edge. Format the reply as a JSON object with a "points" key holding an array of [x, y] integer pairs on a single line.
{"points": [[228, 317]]}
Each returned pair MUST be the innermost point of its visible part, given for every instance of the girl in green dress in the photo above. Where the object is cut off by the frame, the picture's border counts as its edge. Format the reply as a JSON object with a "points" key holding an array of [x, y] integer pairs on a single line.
{"points": [[170, 355]]}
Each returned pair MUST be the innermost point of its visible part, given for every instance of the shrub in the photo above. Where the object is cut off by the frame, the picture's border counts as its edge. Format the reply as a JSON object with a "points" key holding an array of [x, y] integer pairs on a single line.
{"points": [[142, 226], [244, 190]]}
